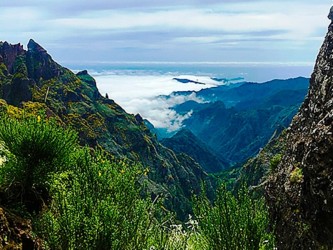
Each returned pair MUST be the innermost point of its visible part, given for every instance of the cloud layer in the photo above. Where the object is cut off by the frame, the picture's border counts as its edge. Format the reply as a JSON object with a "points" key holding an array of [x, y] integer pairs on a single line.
{"points": [[146, 95]]}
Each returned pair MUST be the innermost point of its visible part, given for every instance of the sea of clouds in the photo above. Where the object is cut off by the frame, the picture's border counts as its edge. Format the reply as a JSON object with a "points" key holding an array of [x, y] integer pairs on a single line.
{"points": [[148, 89], [151, 95]]}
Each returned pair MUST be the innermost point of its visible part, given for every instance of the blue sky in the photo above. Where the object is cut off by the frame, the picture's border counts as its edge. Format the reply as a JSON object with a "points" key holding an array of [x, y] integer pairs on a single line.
{"points": [[179, 31]]}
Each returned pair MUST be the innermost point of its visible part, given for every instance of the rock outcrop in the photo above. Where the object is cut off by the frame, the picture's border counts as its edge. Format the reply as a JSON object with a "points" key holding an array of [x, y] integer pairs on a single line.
{"points": [[300, 190], [40, 64], [16, 233], [9, 53]]}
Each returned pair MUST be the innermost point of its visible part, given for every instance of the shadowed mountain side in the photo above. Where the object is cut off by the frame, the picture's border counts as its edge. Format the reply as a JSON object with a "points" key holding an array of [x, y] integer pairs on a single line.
{"points": [[238, 120], [186, 142], [237, 135]]}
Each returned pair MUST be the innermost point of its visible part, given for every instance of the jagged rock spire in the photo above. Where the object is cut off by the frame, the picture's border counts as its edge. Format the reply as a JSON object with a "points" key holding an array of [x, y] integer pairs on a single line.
{"points": [[330, 15], [33, 46]]}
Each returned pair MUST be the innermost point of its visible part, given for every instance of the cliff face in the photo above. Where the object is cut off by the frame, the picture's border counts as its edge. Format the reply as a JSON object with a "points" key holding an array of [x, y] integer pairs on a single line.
{"points": [[300, 190], [8, 54]]}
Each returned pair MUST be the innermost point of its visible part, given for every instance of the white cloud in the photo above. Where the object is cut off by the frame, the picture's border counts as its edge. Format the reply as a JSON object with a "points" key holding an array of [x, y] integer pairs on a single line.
{"points": [[146, 95], [158, 111]]}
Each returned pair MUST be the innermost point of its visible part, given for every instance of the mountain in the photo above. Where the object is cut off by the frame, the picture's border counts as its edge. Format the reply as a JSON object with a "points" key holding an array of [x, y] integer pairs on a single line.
{"points": [[186, 142], [300, 188], [237, 120], [238, 135], [255, 94], [33, 81], [184, 80]]}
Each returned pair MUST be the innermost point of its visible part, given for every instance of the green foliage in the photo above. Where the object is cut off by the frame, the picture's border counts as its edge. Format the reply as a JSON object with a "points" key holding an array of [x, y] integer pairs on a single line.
{"points": [[93, 201], [229, 176], [3, 71], [97, 205], [39, 149], [234, 222], [296, 176], [275, 161], [69, 77], [5, 157], [20, 66]]}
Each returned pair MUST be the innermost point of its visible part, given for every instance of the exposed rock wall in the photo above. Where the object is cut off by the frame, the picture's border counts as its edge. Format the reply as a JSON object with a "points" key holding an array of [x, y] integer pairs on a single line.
{"points": [[9, 53], [300, 191]]}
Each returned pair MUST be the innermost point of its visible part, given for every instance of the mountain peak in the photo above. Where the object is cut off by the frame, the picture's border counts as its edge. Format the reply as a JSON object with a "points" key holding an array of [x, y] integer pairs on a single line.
{"points": [[35, 47], [83, 73], [330, 15]]}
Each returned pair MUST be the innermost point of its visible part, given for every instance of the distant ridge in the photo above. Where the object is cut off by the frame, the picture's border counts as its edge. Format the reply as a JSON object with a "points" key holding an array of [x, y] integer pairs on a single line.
{"points": [[238, 120]]}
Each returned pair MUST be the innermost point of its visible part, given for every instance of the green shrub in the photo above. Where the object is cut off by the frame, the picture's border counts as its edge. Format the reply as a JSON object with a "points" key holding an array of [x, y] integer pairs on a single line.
{"points": [[275, 161], [93, 201], [3, 71], [39, 148], [20, 67], [5, 157], [97, 205], [296, 176], [234, 222], [80, 199]]}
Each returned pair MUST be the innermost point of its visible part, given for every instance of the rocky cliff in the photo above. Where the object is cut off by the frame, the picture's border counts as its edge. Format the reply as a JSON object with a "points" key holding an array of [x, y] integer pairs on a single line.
{"points": [[300, 189], [8, 54]]}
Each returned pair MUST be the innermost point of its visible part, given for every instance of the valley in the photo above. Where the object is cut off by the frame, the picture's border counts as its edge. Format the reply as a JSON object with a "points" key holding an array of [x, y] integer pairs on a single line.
{"points": [[158, 150]]}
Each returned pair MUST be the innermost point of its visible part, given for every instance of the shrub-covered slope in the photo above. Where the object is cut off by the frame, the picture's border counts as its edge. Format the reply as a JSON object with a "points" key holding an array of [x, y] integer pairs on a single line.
{"points": [[237, 135], [55, 194], [33, 81]]}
